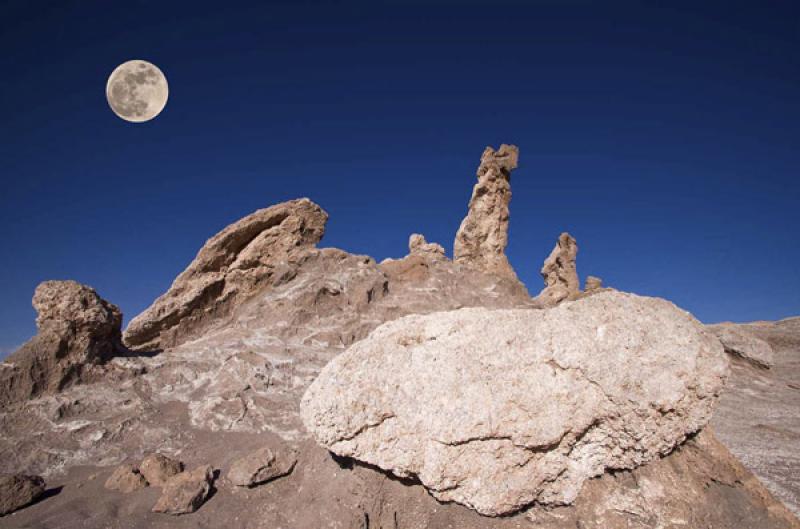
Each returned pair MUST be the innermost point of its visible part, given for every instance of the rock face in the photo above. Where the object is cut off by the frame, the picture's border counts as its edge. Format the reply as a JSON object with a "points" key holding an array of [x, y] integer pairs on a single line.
{"points": [[496, 409], [261, 466], [158, 468], [77, 330], [185, 492], [19, 490], [483, 236], [258, 250], [125, 478], [739, 342], [560, 273], [417, 245]]}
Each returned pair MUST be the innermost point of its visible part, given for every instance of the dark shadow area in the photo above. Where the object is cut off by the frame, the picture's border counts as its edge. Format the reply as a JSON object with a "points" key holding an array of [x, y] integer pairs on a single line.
{"points": [[46, 495]]}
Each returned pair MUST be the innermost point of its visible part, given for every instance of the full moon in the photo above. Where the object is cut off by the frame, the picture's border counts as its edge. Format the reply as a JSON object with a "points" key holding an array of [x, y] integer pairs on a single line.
{"points": [[137, 91]]}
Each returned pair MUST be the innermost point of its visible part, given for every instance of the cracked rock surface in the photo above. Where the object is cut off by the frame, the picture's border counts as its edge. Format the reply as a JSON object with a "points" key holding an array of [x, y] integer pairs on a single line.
{"points": [[496, 409]]}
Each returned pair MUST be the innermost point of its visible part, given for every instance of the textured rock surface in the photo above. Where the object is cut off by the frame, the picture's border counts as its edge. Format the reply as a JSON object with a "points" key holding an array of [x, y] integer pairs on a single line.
{"points": [[77, 330], [560, 273], [185, 492], [19, 490], [737, 340], [497, 409], [256, 250], [158, 468], [125, 478], [757, 416], [418, 245], [261, 466], [482, 238]]}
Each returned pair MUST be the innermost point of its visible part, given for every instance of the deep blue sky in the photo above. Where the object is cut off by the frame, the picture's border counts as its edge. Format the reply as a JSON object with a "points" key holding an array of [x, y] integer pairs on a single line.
{"points": [[665, 139]]}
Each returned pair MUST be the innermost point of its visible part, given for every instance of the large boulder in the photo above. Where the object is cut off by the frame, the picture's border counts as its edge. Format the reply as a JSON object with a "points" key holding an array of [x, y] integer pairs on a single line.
{"points": [[738, 341], [482, 238], [560, 273], [260, 249], [77, 331], [496, 409]]}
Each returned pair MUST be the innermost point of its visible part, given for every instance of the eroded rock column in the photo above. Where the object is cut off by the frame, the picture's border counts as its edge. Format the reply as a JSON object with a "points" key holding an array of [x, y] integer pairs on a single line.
{"points": [[482, 238]]}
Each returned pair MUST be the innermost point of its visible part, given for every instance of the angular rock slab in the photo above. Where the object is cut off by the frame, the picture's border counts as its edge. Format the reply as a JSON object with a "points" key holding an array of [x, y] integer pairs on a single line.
{"points": [[496, 409], [261, 466]]}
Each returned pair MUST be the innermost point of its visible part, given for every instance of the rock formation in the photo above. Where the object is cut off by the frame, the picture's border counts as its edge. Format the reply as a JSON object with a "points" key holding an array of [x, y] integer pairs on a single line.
{"points": [[482, 238], [260, 312], [560, 273], [19, 490], [592, 284], [261, 466], [608, 382], [255, 251], [77, 330], [739, 342], [417, 245], [158, 468], [125, 478], [185, 492]]}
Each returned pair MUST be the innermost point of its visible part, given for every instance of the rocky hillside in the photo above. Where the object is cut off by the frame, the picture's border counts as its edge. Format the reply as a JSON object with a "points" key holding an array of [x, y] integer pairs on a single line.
{"points": [[282, 384]]}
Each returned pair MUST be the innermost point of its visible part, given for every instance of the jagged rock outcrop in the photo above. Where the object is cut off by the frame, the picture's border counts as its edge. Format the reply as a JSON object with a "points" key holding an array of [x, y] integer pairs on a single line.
{"points": [[611, 381], [77, 331], [258, 250], [560, 273], [19, 490], [739, 342], [482, 238], [417, 245], [261, 466]]}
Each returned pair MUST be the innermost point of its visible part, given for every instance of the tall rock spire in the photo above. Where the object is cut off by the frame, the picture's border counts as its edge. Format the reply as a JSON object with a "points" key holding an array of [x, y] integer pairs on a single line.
{"points": [[482, 238], [560, 273]]}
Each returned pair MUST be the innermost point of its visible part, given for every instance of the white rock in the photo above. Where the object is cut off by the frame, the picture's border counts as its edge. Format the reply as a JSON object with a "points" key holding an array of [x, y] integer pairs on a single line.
{"points": [[496, 409]]}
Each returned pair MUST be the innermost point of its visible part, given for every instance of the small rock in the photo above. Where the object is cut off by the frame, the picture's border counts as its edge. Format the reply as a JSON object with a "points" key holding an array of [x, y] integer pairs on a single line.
{"points": [[126, 478], [158, 468], [260, 467], [19, 490], [592, 283], [185, 492]]}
